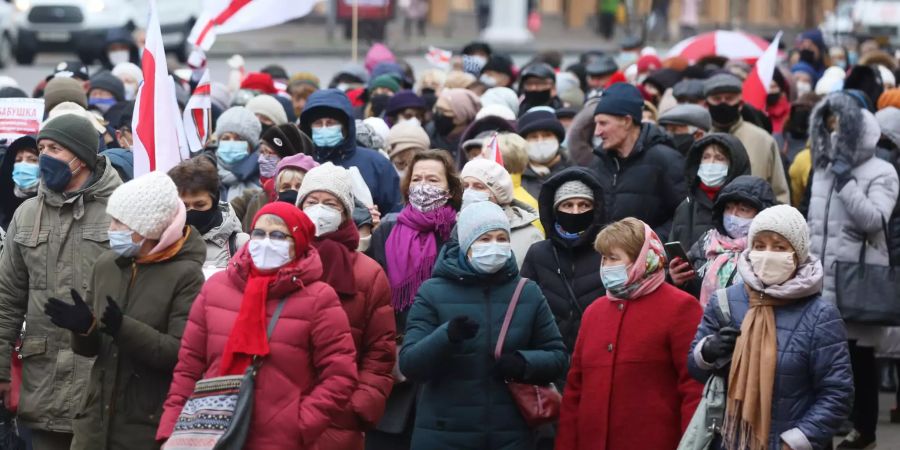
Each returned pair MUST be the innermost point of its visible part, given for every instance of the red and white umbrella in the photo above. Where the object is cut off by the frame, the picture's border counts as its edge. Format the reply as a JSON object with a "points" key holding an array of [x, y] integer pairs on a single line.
{"points": [[729, 44]]}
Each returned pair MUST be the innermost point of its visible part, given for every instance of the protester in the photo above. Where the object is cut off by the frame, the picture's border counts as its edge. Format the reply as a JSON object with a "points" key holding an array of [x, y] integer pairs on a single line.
{"points": [[454, 111], [643, 174], [546, 155], [565, 264], [50, 257], [537, 87], [308, 361], [800, 389], [19, 176], [451, 331], [724, 98], [137, 335], [328, 119], [268, 111], [119, 47], [498, 72], [325, 196], [61, 90], [237, 157], [852, 193], [106, 90], [515, 161], [300, 87], [712, 163], [404, 142], [405, 106], [686, 124], [600, 73], [631, 351]]}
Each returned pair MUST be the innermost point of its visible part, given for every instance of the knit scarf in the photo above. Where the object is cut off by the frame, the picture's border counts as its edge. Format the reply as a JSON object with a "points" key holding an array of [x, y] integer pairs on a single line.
{"points": [[412, 250], [338, 253], [722, 253], [751, 382], [647, 272], [168, 253], [248, 335]]}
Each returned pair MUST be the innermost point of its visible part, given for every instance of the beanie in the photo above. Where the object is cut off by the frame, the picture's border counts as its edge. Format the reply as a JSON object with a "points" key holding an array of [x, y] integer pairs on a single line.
{"points": [[147, 204], [63, 89], [329, 178], [464, 103], [128, 69], [108, 82], [621, 99], [501, 96], [384, 81], [572, 189], [541, 121], [493, 175], [305, 78], [298, 224], [268, 106], [260, 82], [240, 121], [497, 111], [890, 97], [74, 133], [500, 64], [787, 222], [298, 161], [404, 100], [286, 140], [477, 219], [889, 119], [407, 136], [805, 67]]}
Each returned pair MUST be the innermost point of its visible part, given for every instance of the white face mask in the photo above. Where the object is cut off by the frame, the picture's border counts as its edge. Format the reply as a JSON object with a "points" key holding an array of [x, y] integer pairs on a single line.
{"points": [[471, 196], [543, 151], [130, 91], [268, 254], [772, 268], [412, 120], [487, 80], [713, 174], [326, 218], [490, 257], [803, 87], [118, 56]]}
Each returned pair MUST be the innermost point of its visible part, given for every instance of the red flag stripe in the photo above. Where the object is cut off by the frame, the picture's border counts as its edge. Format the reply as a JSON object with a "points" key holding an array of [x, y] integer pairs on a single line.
{"points": [[226, 14], [146, 128]]}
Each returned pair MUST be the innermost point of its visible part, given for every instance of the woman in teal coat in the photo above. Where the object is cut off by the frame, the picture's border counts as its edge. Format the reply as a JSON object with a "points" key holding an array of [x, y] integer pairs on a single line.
{"points": [[451, 332]]}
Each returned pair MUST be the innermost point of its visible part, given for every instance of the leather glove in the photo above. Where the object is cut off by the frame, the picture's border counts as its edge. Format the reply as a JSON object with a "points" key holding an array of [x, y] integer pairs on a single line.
{"points": [[461, 328], [76, 317], [720, 345], [510, 366], [112, 318], [842, 171]]}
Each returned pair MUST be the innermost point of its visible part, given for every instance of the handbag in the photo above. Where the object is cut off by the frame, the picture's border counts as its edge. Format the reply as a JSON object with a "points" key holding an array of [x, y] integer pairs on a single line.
{"points": [[538, 404], [866, 293], [707, 421], [218, 413]]}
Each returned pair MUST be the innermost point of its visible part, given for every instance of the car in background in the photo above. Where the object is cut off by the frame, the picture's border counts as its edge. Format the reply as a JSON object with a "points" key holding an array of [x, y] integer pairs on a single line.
{"points": [[81, 26], [7, 33]]}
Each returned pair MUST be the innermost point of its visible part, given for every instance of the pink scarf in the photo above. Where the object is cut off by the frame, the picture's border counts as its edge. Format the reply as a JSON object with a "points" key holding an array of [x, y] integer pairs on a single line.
{"points": [[647, 272], [722, 253]]}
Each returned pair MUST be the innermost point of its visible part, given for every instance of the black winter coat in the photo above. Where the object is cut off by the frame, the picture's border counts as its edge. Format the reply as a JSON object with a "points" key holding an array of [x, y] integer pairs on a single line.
{"points": [[567, 272], [694, 215], [648, 184]]}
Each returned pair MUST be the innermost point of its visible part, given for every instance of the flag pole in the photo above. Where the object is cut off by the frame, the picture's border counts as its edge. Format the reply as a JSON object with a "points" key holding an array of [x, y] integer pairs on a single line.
{"points": [[355, 31]]}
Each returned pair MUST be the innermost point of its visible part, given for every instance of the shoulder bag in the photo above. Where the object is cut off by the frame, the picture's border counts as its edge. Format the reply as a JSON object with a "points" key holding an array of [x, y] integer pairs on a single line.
{"points": [[868, 294]]}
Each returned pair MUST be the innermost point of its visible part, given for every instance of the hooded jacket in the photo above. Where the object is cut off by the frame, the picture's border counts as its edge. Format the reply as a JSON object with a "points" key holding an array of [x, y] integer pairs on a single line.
{"points": [[53, 241], [488, 123], [694, 216], [463, 405], [377, 171], [8, 200], [219, 240], [532, 181], [765, 158], [132, 372], [647, 185], [523, 233], [567, 271]]}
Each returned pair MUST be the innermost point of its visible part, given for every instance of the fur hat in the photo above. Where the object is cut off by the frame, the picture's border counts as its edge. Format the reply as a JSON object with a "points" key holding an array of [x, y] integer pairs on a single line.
{"points": [[493, 175], [787, 222]]}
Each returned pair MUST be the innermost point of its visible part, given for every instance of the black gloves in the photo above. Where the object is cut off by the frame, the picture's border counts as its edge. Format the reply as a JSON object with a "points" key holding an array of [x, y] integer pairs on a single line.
{"points": [[76, 317], [720, 345], [112, 318], [842, 171], [510, 366], [461, 328]]}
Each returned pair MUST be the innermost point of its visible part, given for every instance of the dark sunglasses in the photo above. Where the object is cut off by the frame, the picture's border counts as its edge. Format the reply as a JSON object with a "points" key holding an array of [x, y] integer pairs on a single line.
{"points": [[259, 235]]}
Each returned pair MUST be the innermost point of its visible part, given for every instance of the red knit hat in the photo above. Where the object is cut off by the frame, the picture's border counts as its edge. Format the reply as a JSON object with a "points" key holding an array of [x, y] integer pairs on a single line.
{"points": [[648, 63], [258, 81], [299, 225]]}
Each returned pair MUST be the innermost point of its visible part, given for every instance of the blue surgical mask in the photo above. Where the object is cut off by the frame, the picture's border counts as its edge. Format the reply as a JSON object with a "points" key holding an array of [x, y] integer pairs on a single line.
{"points": [[25, 174], [614, 277], [55, 173], [736, 227], [471, 196], [121, 243], [103, 104], [231, 152], [328, 136], [713, 174], [490, 257]]}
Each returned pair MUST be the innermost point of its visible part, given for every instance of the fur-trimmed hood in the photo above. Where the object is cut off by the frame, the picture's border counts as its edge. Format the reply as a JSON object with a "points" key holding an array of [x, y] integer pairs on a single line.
{"points": [[856, 137]]}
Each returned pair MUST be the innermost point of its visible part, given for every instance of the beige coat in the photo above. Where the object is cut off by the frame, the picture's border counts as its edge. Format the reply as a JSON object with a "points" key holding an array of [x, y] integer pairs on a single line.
{"points": [[765, 159]]}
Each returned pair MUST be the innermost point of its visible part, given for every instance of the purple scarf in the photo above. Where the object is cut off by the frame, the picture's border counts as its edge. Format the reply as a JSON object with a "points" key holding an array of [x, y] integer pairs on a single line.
{"points": [[412, 250]]}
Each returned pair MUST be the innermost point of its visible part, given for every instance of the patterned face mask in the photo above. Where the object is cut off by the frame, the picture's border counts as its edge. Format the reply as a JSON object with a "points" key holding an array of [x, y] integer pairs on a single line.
{"points": [[427, 197]]}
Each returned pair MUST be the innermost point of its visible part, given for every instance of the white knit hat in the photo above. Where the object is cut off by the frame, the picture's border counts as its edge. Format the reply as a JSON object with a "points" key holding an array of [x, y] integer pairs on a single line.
{"points": [[786, 221], [329, 178], [266, 105], [493, 175], [147, 204], [501, 96], [496, 110]]}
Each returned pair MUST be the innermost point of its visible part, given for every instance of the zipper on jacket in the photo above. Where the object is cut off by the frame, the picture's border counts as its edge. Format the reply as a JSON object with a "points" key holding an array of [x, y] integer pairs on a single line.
{"points": [[616, 173], [488, 335]]}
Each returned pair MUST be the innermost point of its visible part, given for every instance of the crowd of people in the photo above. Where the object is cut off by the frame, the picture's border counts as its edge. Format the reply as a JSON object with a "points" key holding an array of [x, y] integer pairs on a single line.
{"points": [[357, 243]]}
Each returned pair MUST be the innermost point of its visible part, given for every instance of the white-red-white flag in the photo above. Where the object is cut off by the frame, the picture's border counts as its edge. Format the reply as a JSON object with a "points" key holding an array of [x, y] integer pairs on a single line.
{"points": [[439, 58], [756, 86], [492, 150], [159, 140], [198, 115], [232, 16]]}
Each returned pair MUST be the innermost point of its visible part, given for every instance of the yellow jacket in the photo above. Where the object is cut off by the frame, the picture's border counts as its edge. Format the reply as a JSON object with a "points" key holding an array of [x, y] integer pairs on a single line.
{"points": [[799, 173], [520, 194]]}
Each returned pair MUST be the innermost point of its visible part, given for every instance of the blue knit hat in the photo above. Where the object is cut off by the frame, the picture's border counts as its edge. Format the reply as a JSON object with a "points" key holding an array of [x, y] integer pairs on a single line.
{"points": [[805, 67], [477, 219], [621, 99]]}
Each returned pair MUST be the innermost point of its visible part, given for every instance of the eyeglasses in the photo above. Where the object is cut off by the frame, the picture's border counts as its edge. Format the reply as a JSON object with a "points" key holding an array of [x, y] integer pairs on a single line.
{"points": [[259, 235]]}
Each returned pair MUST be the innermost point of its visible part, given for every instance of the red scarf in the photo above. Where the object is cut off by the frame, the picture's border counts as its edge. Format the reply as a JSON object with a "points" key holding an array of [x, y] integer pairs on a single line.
{"points": [[245, 340], [338, 252], [710, 191]]}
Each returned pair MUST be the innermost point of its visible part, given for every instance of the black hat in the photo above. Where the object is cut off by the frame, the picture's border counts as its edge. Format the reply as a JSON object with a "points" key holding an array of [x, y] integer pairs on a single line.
{"points": [[287, 140], [541, 121], [537, 70], [566, 113], [631, 43], [110, 83], [621, 99], [276, 72], [476, 47], [601, 66], [500, 63], [71, 69]]}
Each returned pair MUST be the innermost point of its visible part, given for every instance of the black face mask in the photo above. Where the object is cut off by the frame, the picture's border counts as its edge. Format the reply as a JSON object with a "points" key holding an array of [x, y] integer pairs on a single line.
{"points": [[430, 98], [537, 98], [798, 122], [379, 103], [204, 221], [288, 196], [683, 142], [808, 56], [772, 99], [724, 115], [264, 128], [443, 124], [575, 223]]}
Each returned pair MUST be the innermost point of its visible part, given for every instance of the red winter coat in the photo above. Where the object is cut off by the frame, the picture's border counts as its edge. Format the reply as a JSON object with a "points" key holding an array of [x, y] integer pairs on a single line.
{"points": [[309, 374], [372, 323], [629, 386]]}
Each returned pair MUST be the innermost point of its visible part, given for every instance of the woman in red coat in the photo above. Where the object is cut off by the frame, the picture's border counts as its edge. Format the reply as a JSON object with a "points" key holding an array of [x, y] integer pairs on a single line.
{"points": [[628, 385], [325, 196], [308, 370]]}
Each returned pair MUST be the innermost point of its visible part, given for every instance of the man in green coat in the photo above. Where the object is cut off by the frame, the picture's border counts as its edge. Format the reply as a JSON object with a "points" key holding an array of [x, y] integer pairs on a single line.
{"points": [[53, 241]]}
